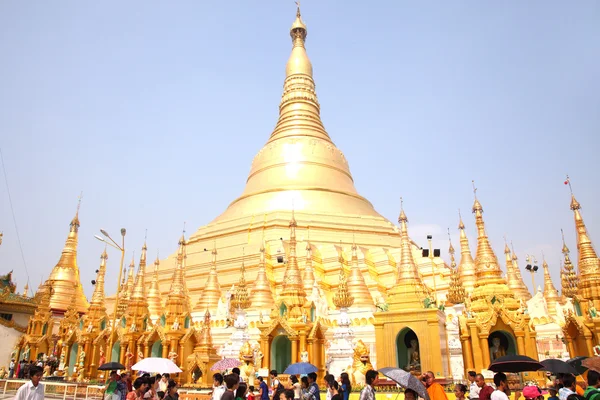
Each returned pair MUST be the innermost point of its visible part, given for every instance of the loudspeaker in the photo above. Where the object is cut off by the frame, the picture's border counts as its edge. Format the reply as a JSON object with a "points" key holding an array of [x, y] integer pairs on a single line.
{"points": [[280, 259], [436, 252], [425, 252]]}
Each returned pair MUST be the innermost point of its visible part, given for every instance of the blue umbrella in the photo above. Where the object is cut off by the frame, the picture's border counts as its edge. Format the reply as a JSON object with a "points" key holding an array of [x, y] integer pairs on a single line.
{"points": [[301, 368]]}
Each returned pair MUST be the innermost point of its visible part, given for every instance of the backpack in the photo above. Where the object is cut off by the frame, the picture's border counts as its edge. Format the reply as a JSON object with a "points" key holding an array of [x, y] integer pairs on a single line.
{"points": [[592, 393]]}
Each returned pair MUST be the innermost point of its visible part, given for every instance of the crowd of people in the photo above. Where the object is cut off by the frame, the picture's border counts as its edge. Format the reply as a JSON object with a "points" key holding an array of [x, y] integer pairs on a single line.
{"points": [[158, 387]]}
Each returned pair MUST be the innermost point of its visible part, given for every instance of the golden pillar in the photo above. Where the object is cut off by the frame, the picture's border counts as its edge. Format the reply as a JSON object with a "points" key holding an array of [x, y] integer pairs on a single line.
{"points": [[467, 354], [294, 349], [303, 340], [266, 351], [485, 354], [92, 364], [165, 350]]}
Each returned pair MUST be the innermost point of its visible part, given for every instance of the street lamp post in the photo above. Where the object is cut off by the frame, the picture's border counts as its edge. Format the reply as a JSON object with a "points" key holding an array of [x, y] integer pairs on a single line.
{"points": [[114, 244], [532, 268]]}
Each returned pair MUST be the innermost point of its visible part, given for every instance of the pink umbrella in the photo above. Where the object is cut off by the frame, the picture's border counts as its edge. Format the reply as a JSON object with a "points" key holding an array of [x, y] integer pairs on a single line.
{"points": [[226, 363]]}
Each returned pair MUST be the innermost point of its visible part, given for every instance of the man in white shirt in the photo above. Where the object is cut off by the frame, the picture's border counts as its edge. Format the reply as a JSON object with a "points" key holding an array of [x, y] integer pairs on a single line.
{"points": [[473, 387], [502, 391], [32, 390]]}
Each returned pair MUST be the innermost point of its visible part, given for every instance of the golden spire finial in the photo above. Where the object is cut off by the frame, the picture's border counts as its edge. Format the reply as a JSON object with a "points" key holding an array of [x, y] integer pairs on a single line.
{"points": [[342, 298], [308, 278], [262, 296], [241, 299], [451, 250], [209, 300], [513, 277], [177, 302], [588, 262], [138, 294], [466, 266], [402, 216]]}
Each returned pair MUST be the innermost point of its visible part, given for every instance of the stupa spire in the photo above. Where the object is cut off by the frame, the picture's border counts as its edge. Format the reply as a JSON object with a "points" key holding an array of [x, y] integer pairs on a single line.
{"points": [[64, 278], [456, 292], [588, 262], [97, 302], [293, 293], [356, 282], [139, 287], [241, 300], [154, 296], [127, 289], [262, 296], [487, 270], [209, 300], [515, 284], [569, 278], [466, 266], [308, 278], [176, 304], [342, 297], [409, 287], [524, 292], [550, 293]]}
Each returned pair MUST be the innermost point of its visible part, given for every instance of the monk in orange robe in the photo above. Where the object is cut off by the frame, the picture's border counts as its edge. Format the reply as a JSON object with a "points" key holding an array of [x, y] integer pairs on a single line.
{"points": [[435, 390]]}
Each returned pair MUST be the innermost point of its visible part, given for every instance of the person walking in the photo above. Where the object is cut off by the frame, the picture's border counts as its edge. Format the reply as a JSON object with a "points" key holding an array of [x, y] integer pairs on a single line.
{"points": [[32, 390]]}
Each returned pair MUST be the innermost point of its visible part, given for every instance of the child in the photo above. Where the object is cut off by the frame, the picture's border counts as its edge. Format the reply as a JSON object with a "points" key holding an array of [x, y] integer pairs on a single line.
{"points": [[250, 393], [33, 390]]}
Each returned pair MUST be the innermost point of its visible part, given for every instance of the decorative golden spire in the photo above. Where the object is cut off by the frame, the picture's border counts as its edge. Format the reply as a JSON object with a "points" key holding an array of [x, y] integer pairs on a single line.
{"points": [[521, 292], [466, 267], [569, 278], [177, 303], [342, 298], [138, 293], [97, 302], [409, 287], [205, 337], [456, 292], [154, 296], [512, 280], [293, 293], [588, 262], [241, 299], [64, 278], [550, 293], [262, 296], [487, 269], [356, 283], [127, 289], [209, 300], [308, 278]]}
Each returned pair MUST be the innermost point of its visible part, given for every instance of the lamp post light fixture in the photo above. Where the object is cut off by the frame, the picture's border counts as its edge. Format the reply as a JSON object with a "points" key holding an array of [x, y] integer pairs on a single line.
{"points": [[532, 267], [109, 241]]}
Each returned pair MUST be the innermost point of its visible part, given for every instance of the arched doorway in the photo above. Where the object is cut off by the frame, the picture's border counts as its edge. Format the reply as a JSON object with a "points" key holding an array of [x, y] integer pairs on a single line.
{"points": [[157, 349], [116, 351], [501, 343], [73, 357], [407, 350], [281, 353]]}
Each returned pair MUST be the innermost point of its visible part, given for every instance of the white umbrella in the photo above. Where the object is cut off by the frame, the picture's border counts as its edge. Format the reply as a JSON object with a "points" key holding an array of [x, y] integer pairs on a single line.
{"points": [[158, 365]]}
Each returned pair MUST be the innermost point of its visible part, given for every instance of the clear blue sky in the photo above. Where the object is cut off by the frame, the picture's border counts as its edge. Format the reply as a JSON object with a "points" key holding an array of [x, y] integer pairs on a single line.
{"points": [[155, 110]]}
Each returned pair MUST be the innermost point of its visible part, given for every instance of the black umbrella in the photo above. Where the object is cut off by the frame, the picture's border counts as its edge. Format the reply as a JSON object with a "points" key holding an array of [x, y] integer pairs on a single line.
{"points": [[111, 366], [515, 363], [557, 366], [575, 362]]}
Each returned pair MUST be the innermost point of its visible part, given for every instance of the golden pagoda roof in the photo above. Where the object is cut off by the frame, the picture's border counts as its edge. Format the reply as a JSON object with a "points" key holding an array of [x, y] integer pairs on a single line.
{"points": [[550, 293], [299, 155], [293, 294], [512, 279], [466, 266], [342, 297], [155, 305], [356, 283], [308, 278], [588, 262], [64, 278], [209, 299], [261, 294]]}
